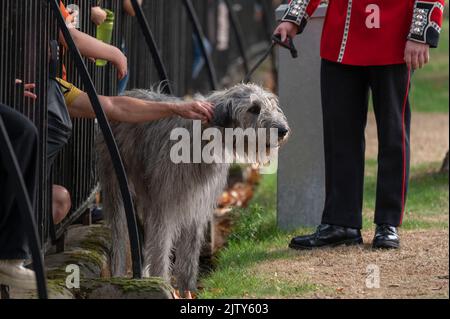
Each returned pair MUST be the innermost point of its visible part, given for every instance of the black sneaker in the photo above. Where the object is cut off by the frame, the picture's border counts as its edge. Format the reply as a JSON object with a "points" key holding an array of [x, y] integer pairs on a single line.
{"points": [[328, 236]]}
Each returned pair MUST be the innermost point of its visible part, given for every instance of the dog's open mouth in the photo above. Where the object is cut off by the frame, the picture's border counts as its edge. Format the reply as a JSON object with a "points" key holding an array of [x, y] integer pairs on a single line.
{"points": [[278, 144]]}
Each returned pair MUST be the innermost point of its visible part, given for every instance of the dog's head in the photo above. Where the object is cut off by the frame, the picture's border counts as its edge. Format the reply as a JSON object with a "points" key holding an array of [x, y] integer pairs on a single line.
{"points": [[250, 106]]}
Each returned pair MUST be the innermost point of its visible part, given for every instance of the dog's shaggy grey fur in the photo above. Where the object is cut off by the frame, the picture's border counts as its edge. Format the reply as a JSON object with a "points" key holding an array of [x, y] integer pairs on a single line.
{"points": [[174, 202]]}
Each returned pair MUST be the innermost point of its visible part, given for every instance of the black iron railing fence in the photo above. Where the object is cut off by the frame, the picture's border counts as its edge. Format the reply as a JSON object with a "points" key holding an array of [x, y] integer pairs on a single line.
{"points": [[25, 30], [28, 26]]}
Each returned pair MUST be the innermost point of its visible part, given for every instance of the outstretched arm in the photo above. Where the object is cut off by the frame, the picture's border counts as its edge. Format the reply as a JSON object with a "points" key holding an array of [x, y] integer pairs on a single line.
{"points": [[132, 110]]}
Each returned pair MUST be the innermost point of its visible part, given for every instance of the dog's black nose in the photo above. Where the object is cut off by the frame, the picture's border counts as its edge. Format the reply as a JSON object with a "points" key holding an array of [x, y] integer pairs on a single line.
{"points": [[282, 132]]}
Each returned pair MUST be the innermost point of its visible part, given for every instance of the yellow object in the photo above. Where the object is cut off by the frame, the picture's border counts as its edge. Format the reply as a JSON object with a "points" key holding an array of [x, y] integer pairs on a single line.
{"points": [[105, 32], [70, 91]]}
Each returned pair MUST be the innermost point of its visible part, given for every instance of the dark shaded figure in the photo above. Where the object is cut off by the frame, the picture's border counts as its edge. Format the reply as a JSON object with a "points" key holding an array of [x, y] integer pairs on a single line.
{"points": [[14, 249]]}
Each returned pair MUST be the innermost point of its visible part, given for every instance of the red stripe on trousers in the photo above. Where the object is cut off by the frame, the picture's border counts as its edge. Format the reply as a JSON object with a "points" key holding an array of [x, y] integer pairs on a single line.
{"points": [[405, 100]]}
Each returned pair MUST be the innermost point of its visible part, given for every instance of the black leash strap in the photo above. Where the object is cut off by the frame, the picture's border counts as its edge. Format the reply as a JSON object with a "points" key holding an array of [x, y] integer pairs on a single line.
{"points": [[268, 52], [275, 40], [151, 43], [8, 157], [109, 140], [201, 37]]}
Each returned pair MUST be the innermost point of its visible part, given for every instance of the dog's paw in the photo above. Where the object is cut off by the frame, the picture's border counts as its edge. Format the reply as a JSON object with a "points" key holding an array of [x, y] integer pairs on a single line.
{"points": [[187, 295]]}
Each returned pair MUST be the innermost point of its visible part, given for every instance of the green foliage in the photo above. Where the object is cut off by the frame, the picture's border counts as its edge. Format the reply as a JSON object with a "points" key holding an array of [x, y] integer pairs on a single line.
{"points": [[429, 92], [428, 197], [256, 239]]}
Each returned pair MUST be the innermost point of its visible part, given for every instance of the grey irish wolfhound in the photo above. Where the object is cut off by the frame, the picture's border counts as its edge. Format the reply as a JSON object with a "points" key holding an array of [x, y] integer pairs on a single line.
{"points": [[175, 202]]}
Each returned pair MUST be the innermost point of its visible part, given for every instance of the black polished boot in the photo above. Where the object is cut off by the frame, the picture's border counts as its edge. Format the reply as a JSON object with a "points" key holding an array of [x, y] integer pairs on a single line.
{"points": [[328, 236], [386, 236]]}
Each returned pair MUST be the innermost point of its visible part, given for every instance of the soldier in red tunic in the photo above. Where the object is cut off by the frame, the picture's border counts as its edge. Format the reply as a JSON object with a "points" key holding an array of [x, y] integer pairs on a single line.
{"points": [[367, 46]]}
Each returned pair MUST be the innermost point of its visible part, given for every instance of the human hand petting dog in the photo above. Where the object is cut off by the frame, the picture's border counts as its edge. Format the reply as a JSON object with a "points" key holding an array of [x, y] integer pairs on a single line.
{"points": [[416, 54], [194, 110]]}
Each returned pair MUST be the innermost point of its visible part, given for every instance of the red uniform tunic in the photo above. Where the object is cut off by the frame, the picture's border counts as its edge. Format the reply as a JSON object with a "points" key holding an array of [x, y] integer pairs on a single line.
{"points": [[371, 32]]}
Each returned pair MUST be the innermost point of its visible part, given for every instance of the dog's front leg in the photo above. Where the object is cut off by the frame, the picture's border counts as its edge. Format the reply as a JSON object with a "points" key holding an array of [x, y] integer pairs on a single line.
{"points": [[158, 243], [187, 254]]}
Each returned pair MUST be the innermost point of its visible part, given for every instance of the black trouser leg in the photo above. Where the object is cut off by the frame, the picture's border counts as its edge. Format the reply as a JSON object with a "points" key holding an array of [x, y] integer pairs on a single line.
{"points": [[390, 87], [24, 138], [345, 91]]}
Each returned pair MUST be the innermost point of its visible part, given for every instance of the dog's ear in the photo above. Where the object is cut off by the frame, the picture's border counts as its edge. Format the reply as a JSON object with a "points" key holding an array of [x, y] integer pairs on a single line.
{"points": [[223, 114]]}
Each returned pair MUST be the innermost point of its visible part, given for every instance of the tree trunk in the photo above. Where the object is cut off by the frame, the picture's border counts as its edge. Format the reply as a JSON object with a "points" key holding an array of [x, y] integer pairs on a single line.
{"points": [[444, 168]]}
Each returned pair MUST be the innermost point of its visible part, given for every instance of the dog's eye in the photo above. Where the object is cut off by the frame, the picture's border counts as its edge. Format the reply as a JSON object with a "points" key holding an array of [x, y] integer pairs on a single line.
{"points": [[255, 109]]}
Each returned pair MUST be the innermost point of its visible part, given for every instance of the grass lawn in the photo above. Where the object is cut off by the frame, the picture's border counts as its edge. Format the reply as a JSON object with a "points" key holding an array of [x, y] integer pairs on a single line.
{"points": [[256, 239], [430, 84]]}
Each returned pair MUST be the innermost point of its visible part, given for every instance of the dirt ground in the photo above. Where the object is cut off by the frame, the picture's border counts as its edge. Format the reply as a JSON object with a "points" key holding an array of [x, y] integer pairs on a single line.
{"points": [[420, 269], [429, 137]]}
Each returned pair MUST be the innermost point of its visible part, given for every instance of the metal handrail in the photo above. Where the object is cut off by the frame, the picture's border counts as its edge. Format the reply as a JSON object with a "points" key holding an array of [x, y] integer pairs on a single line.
{"points": [[201, 36], [151, 43], [238, 34], [25, 208], [109, 140]]}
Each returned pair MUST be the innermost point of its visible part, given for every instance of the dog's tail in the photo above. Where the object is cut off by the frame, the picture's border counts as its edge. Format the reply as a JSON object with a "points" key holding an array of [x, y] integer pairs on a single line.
{"points": [[113, 211], [115, 217], [120, 252]]}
